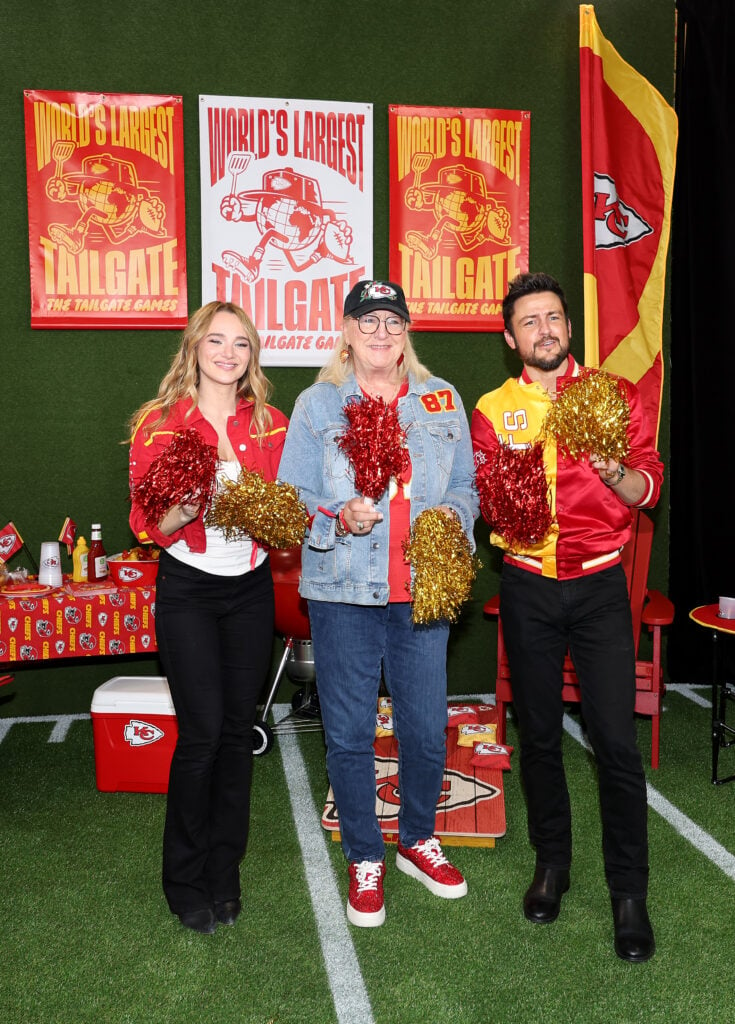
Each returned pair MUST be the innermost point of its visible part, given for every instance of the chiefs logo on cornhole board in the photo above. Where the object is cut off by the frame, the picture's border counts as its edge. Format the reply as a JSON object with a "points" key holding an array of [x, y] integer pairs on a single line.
{"points": [[471, 806]]}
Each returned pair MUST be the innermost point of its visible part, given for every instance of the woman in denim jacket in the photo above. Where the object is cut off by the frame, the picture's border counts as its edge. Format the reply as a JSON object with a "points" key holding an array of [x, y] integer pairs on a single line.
{"points": [[357, 583]]}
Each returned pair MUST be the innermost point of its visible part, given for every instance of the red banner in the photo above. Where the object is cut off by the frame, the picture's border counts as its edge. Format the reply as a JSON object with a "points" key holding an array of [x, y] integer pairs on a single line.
{"points": [[628, 155], [106, 219], [459, 198]]}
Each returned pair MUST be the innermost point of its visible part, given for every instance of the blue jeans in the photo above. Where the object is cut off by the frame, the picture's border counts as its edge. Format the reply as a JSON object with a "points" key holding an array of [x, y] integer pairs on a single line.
{"points": [[352, 644], [591, 616]]}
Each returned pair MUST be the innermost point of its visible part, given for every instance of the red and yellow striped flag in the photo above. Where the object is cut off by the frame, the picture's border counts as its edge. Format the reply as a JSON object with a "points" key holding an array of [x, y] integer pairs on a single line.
{"points": [[629, 136]]}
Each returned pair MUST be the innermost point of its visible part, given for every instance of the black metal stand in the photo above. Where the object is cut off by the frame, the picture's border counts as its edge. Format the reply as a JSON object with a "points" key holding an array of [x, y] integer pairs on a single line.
{"points": [[722, 692]]}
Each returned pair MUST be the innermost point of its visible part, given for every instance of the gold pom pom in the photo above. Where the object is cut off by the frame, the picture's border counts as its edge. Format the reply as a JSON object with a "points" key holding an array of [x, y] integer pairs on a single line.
{"points": [[267, 511], [591, 417], [444, 567]]}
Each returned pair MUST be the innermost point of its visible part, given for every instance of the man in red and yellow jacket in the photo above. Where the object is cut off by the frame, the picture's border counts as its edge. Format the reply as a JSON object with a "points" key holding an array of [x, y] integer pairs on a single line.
{"points": [[565, 592]]}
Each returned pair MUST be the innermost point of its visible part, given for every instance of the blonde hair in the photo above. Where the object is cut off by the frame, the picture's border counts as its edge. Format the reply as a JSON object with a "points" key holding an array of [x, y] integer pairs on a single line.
{"points": [[337, 370], [182, 379]]}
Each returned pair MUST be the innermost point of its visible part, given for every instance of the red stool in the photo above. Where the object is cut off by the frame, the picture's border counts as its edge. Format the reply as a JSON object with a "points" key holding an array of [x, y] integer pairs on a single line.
{"points": [[292, 622]]}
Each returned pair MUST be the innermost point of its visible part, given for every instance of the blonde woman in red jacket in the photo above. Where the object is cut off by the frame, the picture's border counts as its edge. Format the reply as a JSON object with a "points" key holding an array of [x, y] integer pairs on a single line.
{"points": [[214, 608]]}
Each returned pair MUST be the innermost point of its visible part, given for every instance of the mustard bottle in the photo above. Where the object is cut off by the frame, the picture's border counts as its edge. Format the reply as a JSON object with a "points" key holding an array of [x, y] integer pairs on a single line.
{"points": [[79, 561]]}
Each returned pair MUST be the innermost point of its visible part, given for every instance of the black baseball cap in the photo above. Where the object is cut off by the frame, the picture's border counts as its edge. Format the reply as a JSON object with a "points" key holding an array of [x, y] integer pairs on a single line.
{"points": [[369, 295]]}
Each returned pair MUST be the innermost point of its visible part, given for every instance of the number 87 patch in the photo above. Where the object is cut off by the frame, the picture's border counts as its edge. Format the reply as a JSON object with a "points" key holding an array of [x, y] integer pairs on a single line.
{"points": [[439, 401]]}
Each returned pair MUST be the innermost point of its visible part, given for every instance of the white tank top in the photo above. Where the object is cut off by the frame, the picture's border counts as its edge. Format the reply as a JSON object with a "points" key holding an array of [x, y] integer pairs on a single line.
{"points": [[223, 557]]}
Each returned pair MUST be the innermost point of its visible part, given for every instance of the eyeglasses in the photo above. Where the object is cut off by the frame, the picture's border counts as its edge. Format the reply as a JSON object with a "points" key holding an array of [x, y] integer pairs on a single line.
{"points": [[369, 323]]}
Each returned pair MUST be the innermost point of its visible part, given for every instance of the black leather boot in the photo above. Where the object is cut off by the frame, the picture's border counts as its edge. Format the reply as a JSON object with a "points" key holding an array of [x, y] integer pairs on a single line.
{"points": [[199, 920], [542, 901], [227, 911], [634, 939]]}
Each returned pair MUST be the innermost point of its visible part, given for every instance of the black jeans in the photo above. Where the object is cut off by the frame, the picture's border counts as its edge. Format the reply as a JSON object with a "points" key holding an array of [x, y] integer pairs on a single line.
{"points": [[214, 636], [591, 616]]}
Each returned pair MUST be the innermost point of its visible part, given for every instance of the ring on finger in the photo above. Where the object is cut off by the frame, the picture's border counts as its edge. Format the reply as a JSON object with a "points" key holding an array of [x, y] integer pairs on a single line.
{"points": [[361, 526]]}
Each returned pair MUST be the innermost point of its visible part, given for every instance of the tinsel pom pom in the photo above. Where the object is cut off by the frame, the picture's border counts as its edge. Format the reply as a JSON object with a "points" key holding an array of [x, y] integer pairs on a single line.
{"points": [[185, 471], [591, 416], [444, 567], [514, 495], [269, 512], [375, 444]]}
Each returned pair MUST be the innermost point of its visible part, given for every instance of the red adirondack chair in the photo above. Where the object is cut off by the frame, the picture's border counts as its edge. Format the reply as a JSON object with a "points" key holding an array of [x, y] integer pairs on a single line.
{"points": [[649, 607]]}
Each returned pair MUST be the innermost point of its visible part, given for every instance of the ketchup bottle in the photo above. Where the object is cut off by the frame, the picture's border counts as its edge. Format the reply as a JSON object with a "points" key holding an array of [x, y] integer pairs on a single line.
{"points": [[97, 559]]}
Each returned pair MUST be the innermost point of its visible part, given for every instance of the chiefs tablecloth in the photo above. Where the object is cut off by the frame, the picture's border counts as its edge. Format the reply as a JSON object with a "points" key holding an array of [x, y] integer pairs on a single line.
{"points": [[64, 624]]}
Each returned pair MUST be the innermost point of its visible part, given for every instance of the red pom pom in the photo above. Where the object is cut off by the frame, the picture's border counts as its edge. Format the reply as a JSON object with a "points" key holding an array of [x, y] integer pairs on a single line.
{"points": [[185, 471], [514, 496], [375, 444]]}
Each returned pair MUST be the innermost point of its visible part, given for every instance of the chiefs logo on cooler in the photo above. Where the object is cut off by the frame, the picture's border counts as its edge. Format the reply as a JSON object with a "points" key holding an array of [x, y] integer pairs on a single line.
{"points": [[140, 734]]}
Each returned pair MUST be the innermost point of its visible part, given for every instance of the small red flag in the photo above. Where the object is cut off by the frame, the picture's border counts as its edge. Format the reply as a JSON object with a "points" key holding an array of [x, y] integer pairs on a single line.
{"points": [[10, 542], [68, 533]]}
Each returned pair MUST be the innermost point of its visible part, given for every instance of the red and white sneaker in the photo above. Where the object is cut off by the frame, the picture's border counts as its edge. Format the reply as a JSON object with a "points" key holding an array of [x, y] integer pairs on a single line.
{"points": [[426, 862], [365, 902]]}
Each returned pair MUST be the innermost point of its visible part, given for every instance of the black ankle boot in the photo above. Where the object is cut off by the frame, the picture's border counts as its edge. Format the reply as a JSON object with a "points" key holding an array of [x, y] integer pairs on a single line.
{"points": [[542, 901], [228, 911], [634, 939], [199, 921]]}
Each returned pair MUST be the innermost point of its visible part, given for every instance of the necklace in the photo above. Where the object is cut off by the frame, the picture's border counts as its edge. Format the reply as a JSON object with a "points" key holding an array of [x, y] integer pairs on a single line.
{"points": [[378, 392]]}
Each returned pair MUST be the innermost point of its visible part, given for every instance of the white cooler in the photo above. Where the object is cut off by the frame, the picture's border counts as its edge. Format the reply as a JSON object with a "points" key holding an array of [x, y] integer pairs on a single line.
{"points": [[135, 731]]}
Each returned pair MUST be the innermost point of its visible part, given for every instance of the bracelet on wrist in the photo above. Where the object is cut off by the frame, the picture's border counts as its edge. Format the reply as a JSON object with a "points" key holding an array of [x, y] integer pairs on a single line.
{"points": [[619, 476], [341, 528]]}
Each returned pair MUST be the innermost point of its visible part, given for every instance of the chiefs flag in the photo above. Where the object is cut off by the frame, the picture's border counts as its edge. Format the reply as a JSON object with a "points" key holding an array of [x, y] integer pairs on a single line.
{"points": [[10, 542], [628, 154]]}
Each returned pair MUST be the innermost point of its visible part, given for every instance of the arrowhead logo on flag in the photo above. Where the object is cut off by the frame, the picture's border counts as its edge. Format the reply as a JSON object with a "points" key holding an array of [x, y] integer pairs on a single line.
{"points": [[68, 533], [616, 223], [628, 158], [10, 542]]}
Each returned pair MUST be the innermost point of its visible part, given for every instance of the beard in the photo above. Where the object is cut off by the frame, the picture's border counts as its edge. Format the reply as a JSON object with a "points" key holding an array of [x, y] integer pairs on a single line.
{"points": [[551, 361]]}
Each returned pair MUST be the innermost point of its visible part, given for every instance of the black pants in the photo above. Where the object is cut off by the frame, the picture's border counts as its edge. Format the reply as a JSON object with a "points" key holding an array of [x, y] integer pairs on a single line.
{"points": [[214, 636], [590, 615]]}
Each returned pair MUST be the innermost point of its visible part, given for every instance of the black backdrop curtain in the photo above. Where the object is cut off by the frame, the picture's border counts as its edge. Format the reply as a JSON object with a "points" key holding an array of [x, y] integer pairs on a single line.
{"points": [[702, 468]]}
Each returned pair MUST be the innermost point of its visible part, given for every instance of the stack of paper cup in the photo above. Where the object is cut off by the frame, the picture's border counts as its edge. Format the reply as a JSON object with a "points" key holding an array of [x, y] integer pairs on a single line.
{"points": [[49, 571]]}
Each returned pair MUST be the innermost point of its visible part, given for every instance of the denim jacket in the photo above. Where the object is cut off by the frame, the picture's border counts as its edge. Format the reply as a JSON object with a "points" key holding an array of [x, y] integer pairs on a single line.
{"points": [[350, 569]]}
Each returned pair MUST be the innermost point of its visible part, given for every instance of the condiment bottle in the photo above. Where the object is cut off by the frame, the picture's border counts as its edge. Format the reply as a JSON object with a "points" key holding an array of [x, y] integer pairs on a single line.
{"points": [[79, 559], [97, 560]]}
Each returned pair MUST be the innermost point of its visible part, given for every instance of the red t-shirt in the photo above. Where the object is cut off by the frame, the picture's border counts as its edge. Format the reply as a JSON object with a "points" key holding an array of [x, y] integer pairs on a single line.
{"points": [[399, 570]]}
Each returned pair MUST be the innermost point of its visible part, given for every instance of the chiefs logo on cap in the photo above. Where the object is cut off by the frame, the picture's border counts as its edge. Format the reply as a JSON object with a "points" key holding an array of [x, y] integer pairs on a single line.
{"points": [[378, 290]]}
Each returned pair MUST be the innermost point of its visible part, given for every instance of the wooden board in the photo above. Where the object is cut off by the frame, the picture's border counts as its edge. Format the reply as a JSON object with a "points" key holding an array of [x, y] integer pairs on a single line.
{"points": [[471, 807]]}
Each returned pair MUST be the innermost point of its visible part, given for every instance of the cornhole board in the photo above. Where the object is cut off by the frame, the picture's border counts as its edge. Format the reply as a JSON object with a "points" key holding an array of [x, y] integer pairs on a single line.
{"points": [[471, 807]]}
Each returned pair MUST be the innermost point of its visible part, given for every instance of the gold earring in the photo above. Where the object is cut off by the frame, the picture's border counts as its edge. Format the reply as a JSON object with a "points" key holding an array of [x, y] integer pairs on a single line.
{"points": [[344, 355]]}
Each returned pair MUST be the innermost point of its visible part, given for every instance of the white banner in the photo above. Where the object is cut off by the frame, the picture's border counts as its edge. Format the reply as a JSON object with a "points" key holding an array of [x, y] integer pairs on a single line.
{"points": [[287, 216]]}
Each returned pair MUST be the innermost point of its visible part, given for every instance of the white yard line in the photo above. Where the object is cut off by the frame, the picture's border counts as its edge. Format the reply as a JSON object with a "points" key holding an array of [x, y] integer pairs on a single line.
{"points": [[351, 1001], [686, 828], [57, 734], [689, 690]]}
